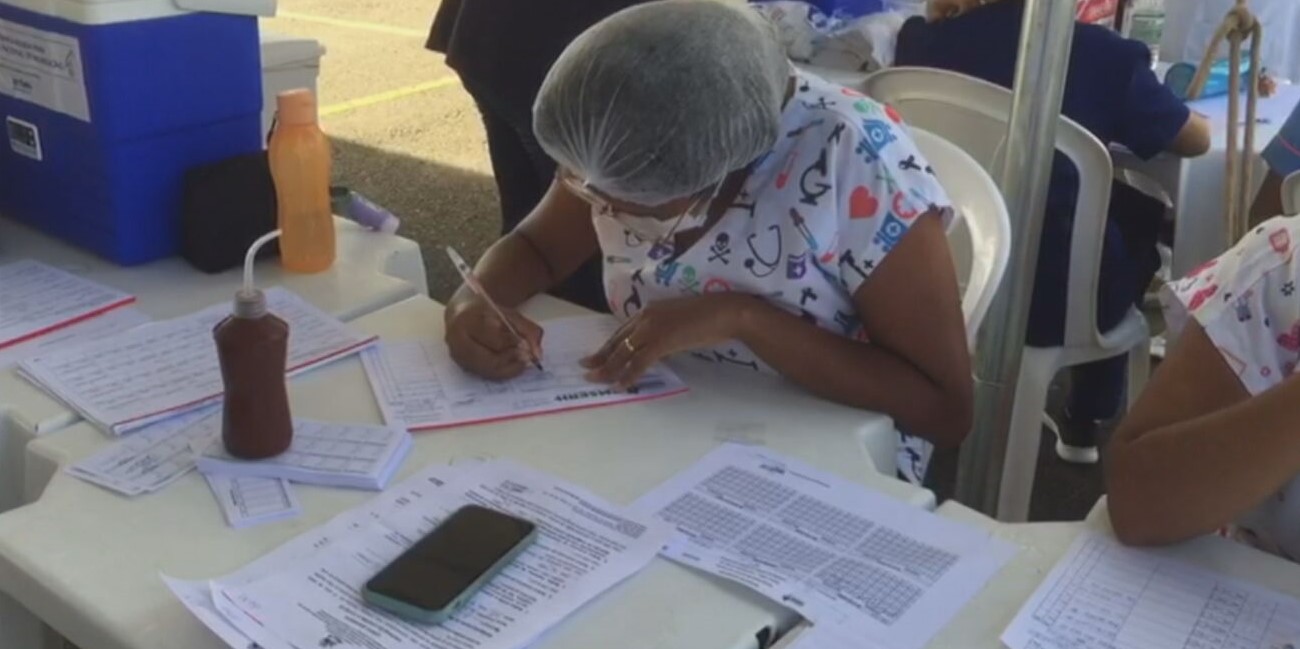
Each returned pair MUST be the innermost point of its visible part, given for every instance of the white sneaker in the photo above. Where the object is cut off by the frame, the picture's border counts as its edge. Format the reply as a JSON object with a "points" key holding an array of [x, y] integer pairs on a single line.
{"points": [[1075, 453]]}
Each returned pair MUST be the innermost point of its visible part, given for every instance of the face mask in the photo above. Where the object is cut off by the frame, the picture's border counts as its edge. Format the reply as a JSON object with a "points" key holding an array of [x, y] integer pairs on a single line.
{"points": [[648, 228]]}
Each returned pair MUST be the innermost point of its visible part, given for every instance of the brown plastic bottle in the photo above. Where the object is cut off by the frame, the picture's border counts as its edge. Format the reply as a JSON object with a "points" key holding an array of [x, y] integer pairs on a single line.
{"points": [[253, 347]]}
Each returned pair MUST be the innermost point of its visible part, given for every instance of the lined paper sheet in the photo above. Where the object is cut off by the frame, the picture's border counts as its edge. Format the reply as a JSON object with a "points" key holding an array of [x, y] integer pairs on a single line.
{"points": [[246, 502], [1103, 595], [152, 458], [326, 454], [128, 381], [839, 554], [418, 385], [100, 326], [36, 299]]}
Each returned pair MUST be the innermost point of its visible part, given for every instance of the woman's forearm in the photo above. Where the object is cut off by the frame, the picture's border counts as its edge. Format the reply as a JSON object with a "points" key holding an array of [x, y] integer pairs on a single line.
{"points": [[512, 271], [1192, 477], [857, 374]]}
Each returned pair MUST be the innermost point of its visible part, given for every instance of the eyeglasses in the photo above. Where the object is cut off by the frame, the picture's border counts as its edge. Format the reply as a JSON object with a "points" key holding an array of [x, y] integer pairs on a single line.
{"points": [[583, 189]]}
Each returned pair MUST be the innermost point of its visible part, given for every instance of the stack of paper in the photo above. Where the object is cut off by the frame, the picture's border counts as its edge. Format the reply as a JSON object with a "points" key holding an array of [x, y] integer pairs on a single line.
{"points": [[101, 326], [329, 455], [306, 593], [246, 502], [152, 458], [1105, 596], [419, 386], [128, 381], [36, 299], [853, 561]]}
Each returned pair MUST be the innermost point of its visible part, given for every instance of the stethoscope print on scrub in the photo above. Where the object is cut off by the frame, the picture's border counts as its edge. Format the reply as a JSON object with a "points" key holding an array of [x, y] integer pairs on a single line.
{"points": [[760, 265]]}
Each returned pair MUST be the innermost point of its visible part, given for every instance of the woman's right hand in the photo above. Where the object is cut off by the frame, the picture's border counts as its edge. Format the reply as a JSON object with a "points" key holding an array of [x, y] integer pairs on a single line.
{"points": [[482, 344]]}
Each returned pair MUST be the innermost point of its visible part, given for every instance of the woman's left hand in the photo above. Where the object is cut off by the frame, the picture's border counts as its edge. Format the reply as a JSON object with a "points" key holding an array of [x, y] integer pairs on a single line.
{"points": [[664, 328]]}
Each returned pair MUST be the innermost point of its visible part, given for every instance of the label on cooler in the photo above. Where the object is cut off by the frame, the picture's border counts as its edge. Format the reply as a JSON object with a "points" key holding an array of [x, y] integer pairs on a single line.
{"points": [[44, 68], [24, 138]]}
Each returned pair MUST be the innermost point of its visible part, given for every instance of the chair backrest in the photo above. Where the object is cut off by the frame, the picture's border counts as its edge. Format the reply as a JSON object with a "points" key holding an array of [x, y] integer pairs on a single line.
{"points": [[974, 115], [1291, 194], [981, 238]]}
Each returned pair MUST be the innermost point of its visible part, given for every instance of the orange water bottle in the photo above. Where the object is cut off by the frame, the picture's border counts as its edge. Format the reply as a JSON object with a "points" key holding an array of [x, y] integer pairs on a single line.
{"points": [[300, 164]]}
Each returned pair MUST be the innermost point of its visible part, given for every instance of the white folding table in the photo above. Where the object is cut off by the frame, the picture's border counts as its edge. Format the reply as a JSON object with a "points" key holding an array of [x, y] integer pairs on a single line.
{"points": [[87, 561]]}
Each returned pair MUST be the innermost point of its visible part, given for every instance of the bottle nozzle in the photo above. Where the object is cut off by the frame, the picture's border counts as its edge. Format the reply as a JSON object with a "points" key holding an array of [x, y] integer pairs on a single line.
{"points": [[250, 303]]}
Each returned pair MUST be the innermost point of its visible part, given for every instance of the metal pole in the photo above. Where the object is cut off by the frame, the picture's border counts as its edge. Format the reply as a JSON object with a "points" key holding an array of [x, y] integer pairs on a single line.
{"points": [[1045, 40]]}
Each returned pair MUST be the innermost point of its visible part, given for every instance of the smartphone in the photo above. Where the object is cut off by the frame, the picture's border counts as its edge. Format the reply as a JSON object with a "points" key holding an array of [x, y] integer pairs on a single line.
{"points": [[443, 570]]}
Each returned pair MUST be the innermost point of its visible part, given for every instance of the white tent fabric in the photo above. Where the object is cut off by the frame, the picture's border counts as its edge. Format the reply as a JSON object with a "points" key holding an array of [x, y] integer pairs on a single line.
{"points": [[1190, 24]]}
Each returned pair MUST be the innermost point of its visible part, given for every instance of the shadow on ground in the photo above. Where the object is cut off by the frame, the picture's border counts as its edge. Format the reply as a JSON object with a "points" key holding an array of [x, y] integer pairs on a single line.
{"points": [[439, 205]]}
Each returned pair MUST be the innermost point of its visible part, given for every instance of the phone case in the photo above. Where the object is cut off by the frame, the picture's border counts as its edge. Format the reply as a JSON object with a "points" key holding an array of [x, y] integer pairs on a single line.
{"points": [[425, 616]]}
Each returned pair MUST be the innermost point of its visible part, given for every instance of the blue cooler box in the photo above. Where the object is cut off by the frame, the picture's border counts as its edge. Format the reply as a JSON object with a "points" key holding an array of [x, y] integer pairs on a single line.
{"points": [[107, 103]]}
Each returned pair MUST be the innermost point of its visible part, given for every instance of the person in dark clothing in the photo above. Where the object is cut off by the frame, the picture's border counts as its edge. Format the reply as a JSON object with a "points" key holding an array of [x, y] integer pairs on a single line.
{"points": [[502, 51], [1113, 93]]}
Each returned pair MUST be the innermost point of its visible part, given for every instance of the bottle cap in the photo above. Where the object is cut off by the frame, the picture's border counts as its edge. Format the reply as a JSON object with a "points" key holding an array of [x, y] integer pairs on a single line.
{"points": [[250, 303], [295, 107]]}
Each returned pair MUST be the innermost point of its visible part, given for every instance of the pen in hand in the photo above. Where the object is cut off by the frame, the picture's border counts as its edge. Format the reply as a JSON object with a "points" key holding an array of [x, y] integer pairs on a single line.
{"points": [[467, 274]]}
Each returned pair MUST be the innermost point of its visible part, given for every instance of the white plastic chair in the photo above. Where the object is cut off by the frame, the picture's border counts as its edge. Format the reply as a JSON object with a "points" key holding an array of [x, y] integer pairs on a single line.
{"points": [[974, 114], [981, 239], [1291, 194]]}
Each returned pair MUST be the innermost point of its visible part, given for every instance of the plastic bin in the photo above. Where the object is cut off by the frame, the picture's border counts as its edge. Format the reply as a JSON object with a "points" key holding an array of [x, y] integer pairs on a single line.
{"points": [[107, 103]]}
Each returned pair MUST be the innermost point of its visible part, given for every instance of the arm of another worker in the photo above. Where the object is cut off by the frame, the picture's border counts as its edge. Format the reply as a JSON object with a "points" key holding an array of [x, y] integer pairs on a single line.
{"points": [[1153, 120]]}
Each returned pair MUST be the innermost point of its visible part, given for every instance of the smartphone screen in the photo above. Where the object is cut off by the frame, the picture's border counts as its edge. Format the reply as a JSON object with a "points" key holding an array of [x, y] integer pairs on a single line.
{"points": [[441, 566]]}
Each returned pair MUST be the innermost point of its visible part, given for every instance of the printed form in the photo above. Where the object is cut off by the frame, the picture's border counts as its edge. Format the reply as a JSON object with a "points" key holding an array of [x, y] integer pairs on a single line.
{"points": [[838, 553], [36, 299], [246, 502], [155, 371], [154, 457], [1103, 595], [354, 456], [101, 326], [418, 385], [306, 594]]}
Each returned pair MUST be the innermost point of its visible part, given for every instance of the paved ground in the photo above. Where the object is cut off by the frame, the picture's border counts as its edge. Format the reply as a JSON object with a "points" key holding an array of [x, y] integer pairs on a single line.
{"points": [[407, 135]]}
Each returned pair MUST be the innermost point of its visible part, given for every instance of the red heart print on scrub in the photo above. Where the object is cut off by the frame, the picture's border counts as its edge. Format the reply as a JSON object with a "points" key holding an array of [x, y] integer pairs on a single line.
{"points": [[1290, 340], [1199, 297], [862, 205], [1281, 241]]}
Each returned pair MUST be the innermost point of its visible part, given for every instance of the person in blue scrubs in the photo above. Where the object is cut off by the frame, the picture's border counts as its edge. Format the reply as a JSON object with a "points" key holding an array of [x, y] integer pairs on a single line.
{"points": [[1283, 158], [1111, 91]]}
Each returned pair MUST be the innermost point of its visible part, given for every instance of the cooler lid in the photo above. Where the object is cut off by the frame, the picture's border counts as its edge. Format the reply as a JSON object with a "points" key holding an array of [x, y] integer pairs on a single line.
{"points": [[284, 51], [103, 12]]}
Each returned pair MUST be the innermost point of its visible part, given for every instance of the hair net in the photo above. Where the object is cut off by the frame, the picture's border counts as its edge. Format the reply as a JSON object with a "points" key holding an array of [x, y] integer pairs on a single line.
{"points": [[664, 99]]}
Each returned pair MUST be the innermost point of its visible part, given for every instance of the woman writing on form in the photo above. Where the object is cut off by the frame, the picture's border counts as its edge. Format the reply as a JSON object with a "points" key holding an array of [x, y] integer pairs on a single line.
{"points": [[747, 214]]}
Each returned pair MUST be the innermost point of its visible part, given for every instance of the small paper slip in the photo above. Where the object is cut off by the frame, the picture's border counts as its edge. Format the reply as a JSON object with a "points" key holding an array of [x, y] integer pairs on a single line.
{"points": [[152, 458], [306, 593], [128, 381], [838, 553], [252, 501], [36, 299], [330, 455], [1103, 595], [418, 385], [100, 326]]}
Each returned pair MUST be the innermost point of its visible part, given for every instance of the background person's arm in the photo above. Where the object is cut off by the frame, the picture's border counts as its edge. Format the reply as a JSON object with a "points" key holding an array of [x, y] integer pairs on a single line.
{"points": [[1197, 452], [1193, 138]]}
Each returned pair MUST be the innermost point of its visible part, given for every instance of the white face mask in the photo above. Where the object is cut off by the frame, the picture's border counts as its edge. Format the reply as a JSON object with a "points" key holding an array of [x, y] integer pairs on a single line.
{"points": [[649, 228]]}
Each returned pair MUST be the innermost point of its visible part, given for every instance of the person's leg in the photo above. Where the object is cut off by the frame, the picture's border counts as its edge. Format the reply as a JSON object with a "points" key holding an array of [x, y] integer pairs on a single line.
{"points": [[1129, 263]]}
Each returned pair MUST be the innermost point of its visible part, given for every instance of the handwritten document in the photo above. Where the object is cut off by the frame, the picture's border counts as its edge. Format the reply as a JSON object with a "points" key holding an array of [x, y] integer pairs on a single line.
{"points": [[36, 299], [125, 382], [418, 385], [330, 455], [839, 554], [246, 502], [306, 594], [152, 458], [101, 326], [1103, 595]]}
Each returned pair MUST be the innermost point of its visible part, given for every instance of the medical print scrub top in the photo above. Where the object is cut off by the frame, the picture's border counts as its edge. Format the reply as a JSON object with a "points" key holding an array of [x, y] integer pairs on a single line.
{"points": [[817, 215]]}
